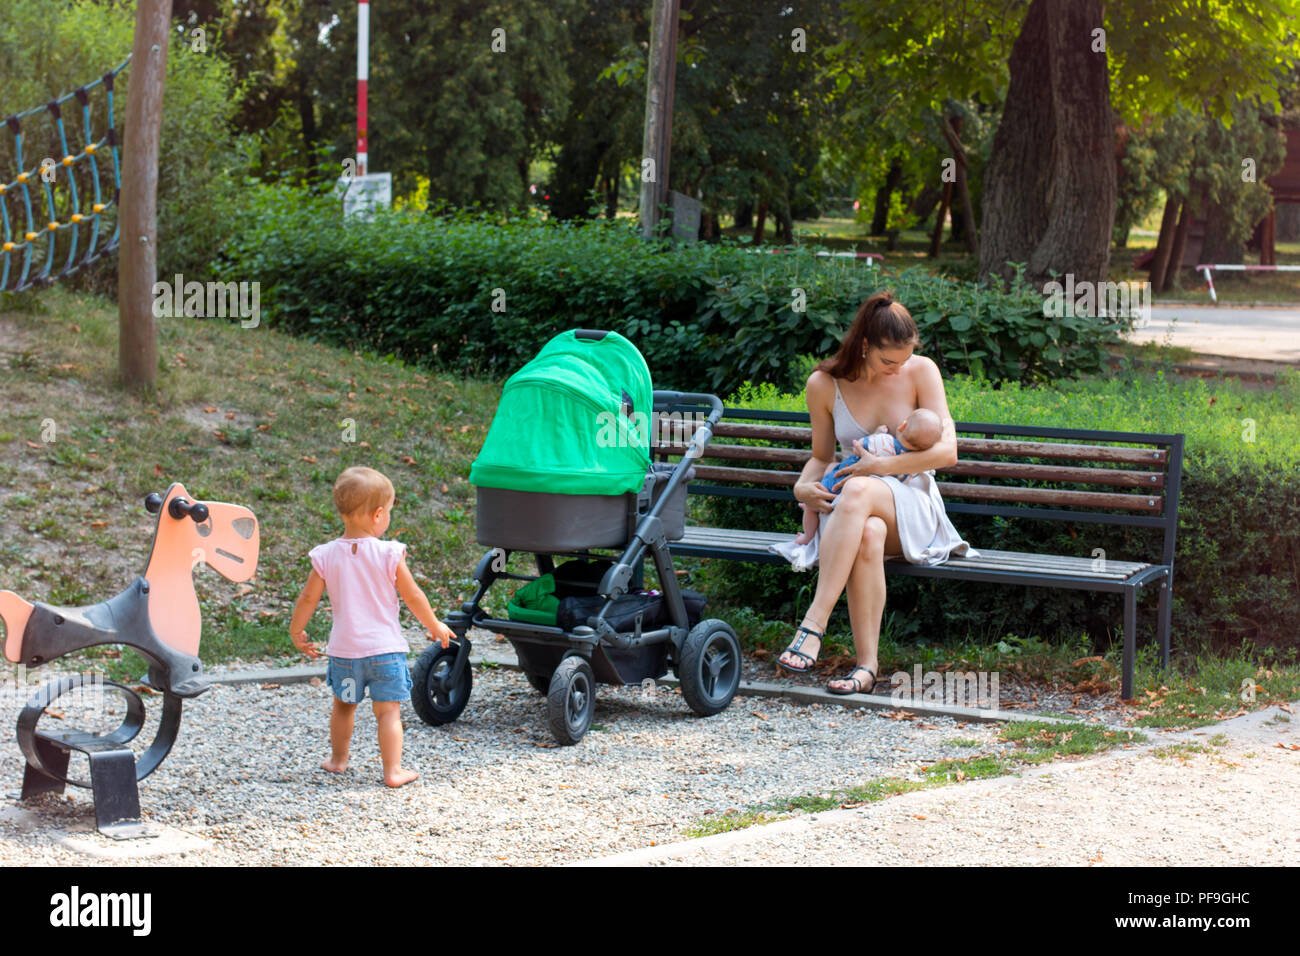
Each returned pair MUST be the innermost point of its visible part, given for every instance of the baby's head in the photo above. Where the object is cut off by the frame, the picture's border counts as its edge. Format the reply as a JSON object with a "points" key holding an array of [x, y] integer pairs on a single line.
{"points": [[360, 492], [921, 430]]}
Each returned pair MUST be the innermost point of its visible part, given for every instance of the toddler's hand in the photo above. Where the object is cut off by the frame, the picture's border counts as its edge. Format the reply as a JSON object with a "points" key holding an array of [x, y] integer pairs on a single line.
{"points": [[309, 648], [443, 635]]}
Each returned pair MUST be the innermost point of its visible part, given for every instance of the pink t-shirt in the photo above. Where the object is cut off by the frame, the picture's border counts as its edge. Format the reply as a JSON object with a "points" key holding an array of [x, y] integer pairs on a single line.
{"points": [[360, 576]]}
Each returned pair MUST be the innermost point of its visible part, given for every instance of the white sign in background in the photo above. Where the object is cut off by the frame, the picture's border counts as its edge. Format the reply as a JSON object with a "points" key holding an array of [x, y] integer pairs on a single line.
{"points": [[362, 194]]}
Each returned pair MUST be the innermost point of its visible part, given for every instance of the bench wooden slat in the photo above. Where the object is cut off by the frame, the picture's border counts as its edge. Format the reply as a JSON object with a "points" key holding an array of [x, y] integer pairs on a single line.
{"points": [[1151, 480], [757, 475], [1049, 496], [1153, 503], [758, 541], [1084, 476], [969, 446]]}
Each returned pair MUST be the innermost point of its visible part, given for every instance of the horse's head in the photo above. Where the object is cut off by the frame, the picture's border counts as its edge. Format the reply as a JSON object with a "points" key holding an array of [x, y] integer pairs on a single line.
{"points": [[222, 536]]}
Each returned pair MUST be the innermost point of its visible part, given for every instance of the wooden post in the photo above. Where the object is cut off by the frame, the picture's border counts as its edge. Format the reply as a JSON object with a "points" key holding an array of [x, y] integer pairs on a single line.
{"points": [[137, 265], [658, 111]]}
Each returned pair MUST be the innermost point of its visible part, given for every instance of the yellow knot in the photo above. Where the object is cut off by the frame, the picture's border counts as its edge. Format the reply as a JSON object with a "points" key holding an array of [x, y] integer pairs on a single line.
{"points": [[52, 226], [76, 217], [3, 188], [68, 160], [22, 177], [9, 247], [91, 147], [31, 236]]}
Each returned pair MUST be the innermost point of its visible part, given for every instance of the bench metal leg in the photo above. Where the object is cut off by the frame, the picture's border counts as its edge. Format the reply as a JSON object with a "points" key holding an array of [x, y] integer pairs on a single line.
{"points": [[1130, 641], [1163, 619]]}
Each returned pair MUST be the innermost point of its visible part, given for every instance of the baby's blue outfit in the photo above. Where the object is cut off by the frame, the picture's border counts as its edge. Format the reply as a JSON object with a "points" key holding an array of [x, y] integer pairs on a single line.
{"points": [[829, 481]]}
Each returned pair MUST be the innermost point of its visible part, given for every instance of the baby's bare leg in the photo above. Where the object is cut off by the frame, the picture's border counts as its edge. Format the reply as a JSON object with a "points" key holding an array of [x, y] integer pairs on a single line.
{"points": [[341, 718], [388, 714], [810, 520]]}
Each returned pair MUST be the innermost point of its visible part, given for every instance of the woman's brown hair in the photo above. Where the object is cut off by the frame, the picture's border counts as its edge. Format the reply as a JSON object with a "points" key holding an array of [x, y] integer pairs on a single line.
{"points": [[880, 323]]}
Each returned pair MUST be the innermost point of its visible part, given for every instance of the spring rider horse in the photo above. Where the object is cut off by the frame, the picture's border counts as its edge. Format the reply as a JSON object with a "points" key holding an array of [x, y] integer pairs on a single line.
{"points": [[158, 616]]}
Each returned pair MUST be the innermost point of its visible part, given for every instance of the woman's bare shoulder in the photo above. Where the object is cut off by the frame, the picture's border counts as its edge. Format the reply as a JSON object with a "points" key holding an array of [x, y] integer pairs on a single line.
{"points": [[820, 385]]}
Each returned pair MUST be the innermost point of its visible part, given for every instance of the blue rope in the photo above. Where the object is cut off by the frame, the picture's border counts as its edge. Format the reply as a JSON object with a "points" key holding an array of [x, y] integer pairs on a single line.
{"points": [[27, 240]]}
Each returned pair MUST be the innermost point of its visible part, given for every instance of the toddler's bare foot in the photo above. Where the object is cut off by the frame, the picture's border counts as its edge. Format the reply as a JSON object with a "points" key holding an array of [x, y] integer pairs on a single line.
{"points": [[335, 766], [400, 777]]}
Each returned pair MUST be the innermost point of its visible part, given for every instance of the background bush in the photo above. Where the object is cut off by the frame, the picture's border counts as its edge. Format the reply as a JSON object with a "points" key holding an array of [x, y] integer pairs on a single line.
{"points": [[705, 316], [1237, 563]]}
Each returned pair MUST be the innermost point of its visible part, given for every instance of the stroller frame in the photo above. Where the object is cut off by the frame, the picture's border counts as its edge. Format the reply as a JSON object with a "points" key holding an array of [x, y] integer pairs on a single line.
{"points": [[565, 664]]}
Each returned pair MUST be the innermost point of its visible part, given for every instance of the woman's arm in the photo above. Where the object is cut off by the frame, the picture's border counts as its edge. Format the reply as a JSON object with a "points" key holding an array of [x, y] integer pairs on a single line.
{"points": [[818, 393]]}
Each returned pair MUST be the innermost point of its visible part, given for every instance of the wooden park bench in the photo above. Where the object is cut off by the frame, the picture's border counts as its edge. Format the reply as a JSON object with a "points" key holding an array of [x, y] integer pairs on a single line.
{"points": [[1012, 471]]}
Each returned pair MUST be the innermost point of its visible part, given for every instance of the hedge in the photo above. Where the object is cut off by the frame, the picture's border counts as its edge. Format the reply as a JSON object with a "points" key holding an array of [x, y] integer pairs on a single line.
{"points": [[470, 293], [1237, 563]]}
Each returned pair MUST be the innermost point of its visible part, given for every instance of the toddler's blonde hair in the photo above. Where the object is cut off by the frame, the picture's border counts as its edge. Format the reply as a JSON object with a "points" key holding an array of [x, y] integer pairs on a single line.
{"points": [[361, 489]]}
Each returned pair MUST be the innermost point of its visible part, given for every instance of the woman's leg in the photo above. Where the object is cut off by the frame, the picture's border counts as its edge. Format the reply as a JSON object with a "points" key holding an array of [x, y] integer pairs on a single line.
{"points": [[843, 535], [866, 596]]}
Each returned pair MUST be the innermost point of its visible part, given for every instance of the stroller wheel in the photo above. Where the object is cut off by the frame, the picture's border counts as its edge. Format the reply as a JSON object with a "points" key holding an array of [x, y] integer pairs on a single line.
{"points": [[571, 700], [710, 666], [435, 697]]}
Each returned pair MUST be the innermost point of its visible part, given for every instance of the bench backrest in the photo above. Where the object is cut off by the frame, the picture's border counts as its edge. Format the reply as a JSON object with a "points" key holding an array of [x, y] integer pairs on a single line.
{"points": [[1013, 471]]}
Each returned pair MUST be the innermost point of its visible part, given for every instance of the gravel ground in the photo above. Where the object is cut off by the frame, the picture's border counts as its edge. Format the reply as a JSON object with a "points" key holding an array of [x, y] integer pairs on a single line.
{"points": [[244, 776], [1231, 806]]}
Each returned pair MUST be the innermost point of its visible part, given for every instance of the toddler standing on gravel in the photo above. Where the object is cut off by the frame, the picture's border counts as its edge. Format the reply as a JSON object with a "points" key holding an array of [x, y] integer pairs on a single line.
{"points": [[366, 650]]}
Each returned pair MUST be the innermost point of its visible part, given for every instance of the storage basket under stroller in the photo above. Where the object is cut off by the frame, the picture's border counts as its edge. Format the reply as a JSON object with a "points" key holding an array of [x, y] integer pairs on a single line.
{"points": [[566, 470]]}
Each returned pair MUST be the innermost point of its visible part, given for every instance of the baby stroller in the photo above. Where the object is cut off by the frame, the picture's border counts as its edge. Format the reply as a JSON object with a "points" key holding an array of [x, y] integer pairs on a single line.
{"points": [[565, 472]]}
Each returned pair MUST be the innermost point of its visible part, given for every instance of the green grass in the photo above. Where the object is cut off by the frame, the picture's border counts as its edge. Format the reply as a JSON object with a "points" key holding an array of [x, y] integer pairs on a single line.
{"points": [[73, 529], [1030, 743]]}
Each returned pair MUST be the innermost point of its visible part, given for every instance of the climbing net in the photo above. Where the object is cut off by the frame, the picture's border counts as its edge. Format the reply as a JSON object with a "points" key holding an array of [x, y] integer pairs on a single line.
{"points": [[29, 255]]}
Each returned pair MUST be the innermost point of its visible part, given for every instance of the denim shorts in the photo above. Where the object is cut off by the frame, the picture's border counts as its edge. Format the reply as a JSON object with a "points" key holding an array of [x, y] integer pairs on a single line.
{"points": [[385, 675]]}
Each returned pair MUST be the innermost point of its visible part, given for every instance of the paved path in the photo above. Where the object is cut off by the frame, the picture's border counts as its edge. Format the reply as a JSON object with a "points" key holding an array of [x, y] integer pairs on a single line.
{"points": [[1255, 333], [1231, 806]]}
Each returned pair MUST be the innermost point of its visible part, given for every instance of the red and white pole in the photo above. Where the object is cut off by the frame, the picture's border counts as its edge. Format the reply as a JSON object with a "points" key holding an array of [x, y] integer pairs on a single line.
{"points": [[363, 76]]}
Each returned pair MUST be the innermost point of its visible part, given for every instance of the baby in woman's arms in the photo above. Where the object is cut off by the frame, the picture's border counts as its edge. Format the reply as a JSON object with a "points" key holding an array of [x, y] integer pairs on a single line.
{"points": [[918, 432]]}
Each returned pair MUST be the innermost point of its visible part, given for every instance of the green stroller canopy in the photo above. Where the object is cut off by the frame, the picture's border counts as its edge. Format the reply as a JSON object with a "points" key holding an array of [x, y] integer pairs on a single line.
{"points": [[573, 421]]}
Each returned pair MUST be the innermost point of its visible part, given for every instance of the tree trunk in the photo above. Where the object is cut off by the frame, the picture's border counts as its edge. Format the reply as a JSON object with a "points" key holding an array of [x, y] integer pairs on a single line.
{"points": [[1180, 244], [1217, 246], [1049, 190], [1165, 244], [880, 216], [785, 223], [744, 218], [137, 346], [760, 225], [936, 237]]}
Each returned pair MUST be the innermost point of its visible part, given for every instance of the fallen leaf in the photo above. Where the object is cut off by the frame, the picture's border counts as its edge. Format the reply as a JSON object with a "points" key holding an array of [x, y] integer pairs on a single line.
{"points": [[407, 459], [157, 471], [961, 775], [99, 524], [758, 715], [58, 714], [309, 459], [230, 416], [32, 444], [263, 428], [444, 487], [315, 682], [1287, 746], [210, 409], [919, 816], [270, 687]]}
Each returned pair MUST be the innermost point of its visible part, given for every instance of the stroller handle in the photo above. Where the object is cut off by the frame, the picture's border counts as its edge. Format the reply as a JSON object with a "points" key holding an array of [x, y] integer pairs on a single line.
{"points": [[668, 399]]}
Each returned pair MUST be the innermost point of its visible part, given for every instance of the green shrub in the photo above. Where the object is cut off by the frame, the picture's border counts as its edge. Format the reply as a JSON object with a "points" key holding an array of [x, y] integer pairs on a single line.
{"points": [[1237, 561], [465, 291]]}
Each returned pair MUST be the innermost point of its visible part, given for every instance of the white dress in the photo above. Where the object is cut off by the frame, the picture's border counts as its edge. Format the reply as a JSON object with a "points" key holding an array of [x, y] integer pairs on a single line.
{"points": [[924, 530]]}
